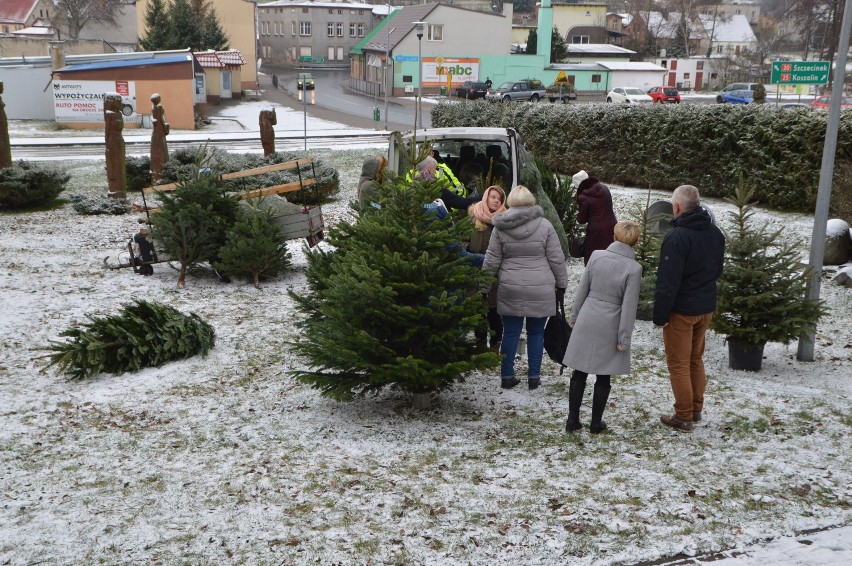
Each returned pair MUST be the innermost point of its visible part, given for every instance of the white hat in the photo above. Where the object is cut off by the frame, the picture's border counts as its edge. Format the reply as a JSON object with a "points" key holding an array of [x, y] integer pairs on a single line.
{"points": [[579, 177]]}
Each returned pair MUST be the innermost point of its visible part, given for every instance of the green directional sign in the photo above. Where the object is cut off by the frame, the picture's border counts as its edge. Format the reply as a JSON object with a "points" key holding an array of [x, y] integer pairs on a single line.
{"points": [[800, 72]]}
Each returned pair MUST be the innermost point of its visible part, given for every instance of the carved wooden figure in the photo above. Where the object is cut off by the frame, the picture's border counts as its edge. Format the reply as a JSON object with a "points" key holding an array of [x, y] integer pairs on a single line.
{"points": [[159, 147], [114, 124], [5, 147], [267, 133]]}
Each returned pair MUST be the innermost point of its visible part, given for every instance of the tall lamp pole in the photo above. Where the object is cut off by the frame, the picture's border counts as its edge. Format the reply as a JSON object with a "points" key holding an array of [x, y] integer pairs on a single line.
{"points": [[387, 64], [419, 117]]}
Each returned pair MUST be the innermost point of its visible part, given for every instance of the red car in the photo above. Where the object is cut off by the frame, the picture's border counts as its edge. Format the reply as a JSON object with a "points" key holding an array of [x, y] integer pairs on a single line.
{"points": [[665, 94], [825, 101]]}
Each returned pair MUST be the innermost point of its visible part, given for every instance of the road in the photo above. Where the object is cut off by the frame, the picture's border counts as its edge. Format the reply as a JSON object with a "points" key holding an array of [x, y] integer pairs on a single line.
{"points": [[336, 103]]}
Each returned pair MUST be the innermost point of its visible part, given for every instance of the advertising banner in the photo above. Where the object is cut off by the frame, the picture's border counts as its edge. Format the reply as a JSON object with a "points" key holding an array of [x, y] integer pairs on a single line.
{"points": [[83, 101], [437, 69]]}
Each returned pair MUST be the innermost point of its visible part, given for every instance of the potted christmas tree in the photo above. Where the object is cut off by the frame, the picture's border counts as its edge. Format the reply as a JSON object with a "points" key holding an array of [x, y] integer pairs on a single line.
{"points": [[762, 288]]}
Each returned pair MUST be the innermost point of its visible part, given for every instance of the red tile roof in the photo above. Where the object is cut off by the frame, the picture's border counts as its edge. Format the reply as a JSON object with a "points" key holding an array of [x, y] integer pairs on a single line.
{"points": [[16, 10], [220, 59]]}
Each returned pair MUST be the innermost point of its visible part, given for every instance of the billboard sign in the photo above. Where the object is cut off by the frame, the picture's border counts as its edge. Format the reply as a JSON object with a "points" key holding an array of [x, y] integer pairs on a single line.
{"points": [[436, 70], [83, 101]]}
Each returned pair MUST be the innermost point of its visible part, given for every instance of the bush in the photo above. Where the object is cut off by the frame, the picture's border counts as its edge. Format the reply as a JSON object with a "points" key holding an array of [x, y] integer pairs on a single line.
{"points": [[663, 146], [184, 164], [138, 172], [142, 335], [98, 205], [27, 185], [254, 247]]}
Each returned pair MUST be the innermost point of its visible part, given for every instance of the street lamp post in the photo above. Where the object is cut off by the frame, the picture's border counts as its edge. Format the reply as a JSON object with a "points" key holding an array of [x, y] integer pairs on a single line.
{"points": [[387, 64], [419, 116]]}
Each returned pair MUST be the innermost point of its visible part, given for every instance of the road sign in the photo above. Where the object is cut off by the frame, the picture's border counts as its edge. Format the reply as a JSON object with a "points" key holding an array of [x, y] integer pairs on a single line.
{"points": [[800, 72], [401, 58], [319, 59], [305, 59]]}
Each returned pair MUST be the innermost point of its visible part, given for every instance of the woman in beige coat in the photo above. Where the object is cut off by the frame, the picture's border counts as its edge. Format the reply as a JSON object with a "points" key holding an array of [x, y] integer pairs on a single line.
{"points": [[483, 213], [525, 255], [602, 318]]}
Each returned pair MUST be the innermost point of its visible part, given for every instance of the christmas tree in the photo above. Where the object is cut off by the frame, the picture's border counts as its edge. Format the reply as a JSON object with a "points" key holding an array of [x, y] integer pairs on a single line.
{"points": [[761, 294], [394, 305], [254, 247], [648, 256]]}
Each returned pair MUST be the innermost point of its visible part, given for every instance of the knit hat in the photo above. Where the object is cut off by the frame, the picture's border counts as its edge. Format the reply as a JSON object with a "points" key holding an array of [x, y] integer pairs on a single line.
{"points": [[579, 177]]}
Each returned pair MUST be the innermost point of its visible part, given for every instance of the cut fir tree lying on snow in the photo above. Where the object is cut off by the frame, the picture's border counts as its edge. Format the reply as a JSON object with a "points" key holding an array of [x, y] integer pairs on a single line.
{"points": [[142, 335]]}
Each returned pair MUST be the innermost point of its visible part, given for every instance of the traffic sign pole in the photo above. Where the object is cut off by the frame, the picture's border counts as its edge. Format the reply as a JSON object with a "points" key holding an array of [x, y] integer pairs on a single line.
{"points": [[805, 351]]}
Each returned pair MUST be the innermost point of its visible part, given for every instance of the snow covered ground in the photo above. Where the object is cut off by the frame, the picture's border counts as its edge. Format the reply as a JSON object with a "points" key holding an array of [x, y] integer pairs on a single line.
{"points": [[229, 460]]}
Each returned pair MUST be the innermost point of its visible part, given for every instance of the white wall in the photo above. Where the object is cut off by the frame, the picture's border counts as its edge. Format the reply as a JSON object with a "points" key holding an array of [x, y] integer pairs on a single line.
{"points": [[639, 79], [27, 93]]}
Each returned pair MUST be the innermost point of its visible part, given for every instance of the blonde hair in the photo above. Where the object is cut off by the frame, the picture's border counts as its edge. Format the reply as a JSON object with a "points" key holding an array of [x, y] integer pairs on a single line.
{"points": [[520, 196], [628, 232]]}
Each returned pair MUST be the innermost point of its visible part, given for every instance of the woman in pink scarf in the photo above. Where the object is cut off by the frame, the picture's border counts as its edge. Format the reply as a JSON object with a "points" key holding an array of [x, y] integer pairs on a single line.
{"points": [[492, 203]]}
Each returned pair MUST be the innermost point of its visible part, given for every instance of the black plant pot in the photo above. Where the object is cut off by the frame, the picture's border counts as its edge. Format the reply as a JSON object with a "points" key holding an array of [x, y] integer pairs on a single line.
{"points": [[745, 356]]}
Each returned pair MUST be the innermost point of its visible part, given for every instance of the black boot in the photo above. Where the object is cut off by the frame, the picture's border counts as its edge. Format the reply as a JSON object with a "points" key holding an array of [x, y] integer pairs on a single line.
{"points": [[575, 399], [602, 389]]}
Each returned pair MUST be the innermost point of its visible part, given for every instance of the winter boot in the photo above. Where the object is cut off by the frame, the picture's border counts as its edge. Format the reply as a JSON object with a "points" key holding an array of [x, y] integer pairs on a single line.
{"points": [[575, 398], [509, 382], [598, 405]]}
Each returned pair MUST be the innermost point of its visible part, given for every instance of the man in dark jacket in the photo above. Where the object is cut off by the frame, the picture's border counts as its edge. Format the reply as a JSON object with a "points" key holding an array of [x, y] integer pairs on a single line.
{"points": [[691, 262]]}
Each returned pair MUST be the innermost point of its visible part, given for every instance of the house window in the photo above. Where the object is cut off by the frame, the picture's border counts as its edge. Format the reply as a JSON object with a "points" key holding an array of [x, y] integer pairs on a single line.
{"points": [[579, 39], [718, 49], [292, 28], [353, 30], [588, 13], [361, 30], [714, 76], [305, 29], [340, 54], [340, 12], [331, 11], [699, 66], [686, 76], [330, 54], [330, 27], [339, 26], [596, 78], [304, 10], [664, 64], [264, 28], [435, 33]]}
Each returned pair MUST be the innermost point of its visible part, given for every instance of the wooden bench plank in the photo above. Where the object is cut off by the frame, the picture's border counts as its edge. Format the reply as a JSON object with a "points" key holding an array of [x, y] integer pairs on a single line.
{"points": [[278, 189], [239, 174]]}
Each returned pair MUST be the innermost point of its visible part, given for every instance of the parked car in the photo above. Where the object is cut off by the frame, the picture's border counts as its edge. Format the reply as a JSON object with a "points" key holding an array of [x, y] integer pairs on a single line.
{"points": [[738, 97], [561, 90], [665, 94], [628, 95], [528, 89], [793, 106], [735, 86], [824, 102], [305, 81], [471, 90]]}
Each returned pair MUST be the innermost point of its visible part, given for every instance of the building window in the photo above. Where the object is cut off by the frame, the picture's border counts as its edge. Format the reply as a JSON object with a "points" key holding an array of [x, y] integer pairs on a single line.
{"points": [[339, 12], [304, 10], [718, 49], [686, 76], [339, 26], [361, 30], [664, 64], [331, 11], [330, 56], [305, 29], [579, 39], [330, 27], [435, 33], [596, 78], [699, 65], [714, 76], [340, 54], [353, 30], [292, 28]]}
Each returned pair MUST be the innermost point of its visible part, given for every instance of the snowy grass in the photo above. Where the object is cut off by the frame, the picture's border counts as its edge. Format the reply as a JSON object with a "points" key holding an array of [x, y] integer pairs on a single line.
{"points": [[229, 460]]}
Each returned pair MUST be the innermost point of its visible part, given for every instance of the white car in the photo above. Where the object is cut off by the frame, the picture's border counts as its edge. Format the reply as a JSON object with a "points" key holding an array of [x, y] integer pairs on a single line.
{"points": [[628, 95]]}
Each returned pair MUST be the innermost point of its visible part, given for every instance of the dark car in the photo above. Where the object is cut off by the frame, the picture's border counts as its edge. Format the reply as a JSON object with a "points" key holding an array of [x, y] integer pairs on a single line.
{"points": [[471, 90], [305, 81], [665, 94]]}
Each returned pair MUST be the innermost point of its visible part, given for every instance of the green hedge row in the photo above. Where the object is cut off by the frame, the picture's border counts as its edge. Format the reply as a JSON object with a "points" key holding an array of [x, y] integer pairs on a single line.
{"points": [[663, 146]]}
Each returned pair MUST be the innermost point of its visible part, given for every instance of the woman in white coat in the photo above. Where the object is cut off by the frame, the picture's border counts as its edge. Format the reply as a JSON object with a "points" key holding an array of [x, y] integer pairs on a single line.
{"points": [[602, 321]]}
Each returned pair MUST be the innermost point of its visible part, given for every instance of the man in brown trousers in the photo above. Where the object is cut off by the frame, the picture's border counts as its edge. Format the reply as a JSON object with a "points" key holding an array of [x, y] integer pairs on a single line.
{"points": [[691, 260]]}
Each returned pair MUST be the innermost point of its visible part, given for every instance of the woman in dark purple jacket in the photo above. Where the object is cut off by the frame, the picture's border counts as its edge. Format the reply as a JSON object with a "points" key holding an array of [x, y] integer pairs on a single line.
{"points": [[594, 206]]}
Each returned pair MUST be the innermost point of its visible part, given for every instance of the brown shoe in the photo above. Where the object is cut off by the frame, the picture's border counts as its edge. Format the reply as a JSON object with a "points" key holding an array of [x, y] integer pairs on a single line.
{"points": [[696, 417], [676, 423]]}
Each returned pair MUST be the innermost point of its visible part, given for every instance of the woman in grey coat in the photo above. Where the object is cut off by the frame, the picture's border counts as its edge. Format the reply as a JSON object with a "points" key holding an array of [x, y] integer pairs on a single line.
{"points": [[525, 255], [602, 318]]}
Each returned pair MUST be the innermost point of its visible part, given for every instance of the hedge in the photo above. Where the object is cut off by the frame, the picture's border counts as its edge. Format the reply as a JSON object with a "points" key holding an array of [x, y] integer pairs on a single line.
{"points": [[663, 146]]}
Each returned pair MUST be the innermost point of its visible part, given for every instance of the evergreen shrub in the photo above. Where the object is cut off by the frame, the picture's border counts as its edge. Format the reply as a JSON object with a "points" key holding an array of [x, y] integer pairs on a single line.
{"points": [[254, 247], [142, 335], [138, 172], [28, 185], [93, 205], [393, 305], [666, 145]]}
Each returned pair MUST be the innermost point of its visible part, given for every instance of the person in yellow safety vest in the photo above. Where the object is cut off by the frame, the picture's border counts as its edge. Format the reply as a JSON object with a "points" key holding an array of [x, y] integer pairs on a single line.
{"points": [[429, 169]]}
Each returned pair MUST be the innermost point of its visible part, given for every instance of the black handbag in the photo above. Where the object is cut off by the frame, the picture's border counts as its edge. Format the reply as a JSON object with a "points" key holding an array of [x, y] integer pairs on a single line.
{"points": [[575, 246], [557, 333]]}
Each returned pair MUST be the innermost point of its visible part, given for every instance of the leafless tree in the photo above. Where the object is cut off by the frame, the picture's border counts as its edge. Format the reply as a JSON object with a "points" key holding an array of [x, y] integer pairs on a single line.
{"points": [[71, 16]]}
